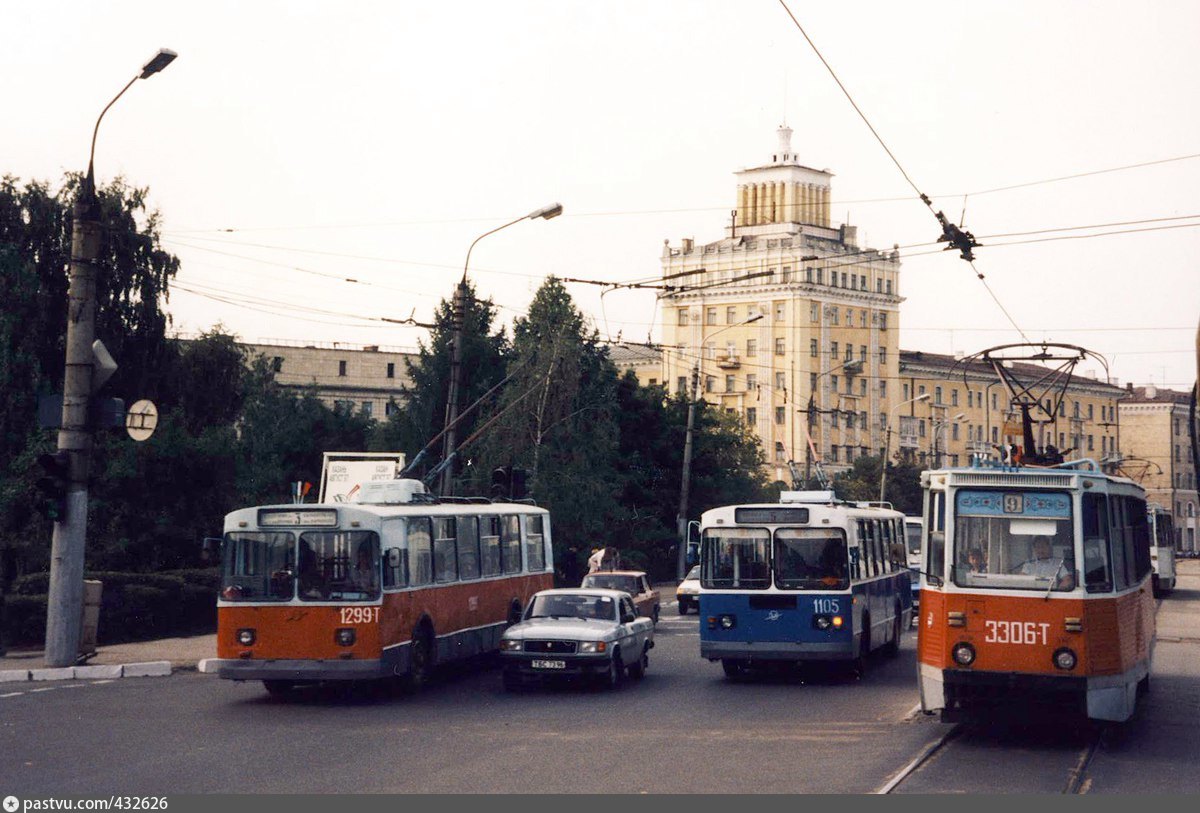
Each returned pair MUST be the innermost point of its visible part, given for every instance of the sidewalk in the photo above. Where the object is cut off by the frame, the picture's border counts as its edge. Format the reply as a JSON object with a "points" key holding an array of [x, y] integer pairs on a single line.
{"points": [[147, 658]]}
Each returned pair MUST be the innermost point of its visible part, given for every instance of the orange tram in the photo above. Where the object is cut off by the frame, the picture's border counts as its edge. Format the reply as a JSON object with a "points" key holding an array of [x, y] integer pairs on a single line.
{"points": [[386, 586], [1036, 592]]}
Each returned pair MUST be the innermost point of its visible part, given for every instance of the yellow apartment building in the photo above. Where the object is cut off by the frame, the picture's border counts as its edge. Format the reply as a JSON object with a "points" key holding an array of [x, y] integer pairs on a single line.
{"points": [[1154, 429]]}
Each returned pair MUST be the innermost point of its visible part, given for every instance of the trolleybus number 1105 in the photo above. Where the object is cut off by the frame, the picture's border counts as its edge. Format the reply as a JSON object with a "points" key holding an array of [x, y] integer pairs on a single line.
{"points": [[826, 605], [359, 615], [1016, 632]]}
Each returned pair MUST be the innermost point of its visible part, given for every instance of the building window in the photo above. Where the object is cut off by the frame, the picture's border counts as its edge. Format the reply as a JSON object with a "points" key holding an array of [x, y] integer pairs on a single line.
{"points": [[1075, 409], [787, 273], [367, 408], [780, 312], [820, 276], [954, 397], [391, 369], [833, 350], [862, 284], [937, 395], [814, 312], [812, 348], [833, 279], [833, 380], [844, 285], [862, 386], [710, 316], [683, 317], [921, 428], [883, 355], [808, 277], [779, 458], [728, 383], [779, 345], [710, 383], [681, 384], [653, 382], [751, 415], [730, 315], [781, 381], [1091, 444], [953, 460], [849, 352], [849, 454], [751, 348], [390, 408], [812, 382], [862, 354], [277, 364], [994, 401], [883, 320], [849, 420], [954, 431], [752, 382], [995, 434], [779, 415], [341, 368], [834, 314], [833, 419], [882, 388], [878, 285], [1090, 413], [920, 389], [889, 286], [905, 389]]}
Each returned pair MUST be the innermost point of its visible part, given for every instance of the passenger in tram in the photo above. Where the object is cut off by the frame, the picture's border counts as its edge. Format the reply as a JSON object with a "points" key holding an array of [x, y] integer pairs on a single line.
{"points": [[976, 561], [1045, 565]]}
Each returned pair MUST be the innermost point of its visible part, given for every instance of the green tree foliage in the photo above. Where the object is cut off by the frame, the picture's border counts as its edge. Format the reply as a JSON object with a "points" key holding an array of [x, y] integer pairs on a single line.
{"points": [[861, 482]]}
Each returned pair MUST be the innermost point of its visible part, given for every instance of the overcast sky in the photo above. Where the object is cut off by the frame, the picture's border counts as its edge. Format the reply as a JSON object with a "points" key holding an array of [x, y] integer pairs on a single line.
{"points": [[375, 141]]}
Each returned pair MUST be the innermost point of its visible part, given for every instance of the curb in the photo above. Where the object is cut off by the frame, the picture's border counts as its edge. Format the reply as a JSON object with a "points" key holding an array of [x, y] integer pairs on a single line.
{"points": [[142, 669]]}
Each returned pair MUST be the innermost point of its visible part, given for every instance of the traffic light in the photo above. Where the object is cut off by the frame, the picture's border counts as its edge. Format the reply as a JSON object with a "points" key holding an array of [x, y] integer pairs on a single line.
{"points": [[501, 483], [517, 483], [53, 485]]}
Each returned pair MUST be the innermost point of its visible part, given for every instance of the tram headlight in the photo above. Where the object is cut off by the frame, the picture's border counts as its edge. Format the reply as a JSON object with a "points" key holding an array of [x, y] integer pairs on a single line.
{"points": [[1065, 659], [963, 653], [344, 636], [246, 637]]}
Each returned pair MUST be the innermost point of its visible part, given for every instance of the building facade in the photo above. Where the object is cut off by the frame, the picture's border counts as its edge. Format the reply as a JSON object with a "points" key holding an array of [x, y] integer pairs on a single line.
{"points": [[351, 378], [1154, 429], [786, 320]]}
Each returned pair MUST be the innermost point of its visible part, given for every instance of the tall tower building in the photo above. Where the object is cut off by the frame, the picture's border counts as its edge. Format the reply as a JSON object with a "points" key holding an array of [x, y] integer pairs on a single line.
{"points": [[787, 320]]}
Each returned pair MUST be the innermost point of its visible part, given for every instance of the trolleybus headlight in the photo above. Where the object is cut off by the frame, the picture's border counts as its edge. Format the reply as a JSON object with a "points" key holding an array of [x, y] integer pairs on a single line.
{"points": [[246, 637], [728, 622], [823, 622], [964, 654], [589, 647], [344, 636], [1065, 659]]}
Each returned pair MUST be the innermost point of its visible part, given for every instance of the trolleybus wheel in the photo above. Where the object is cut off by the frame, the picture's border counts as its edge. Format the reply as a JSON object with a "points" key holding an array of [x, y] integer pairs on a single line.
{"points": [[892, 649], [278, 688], [420, 663], [733, 667]]}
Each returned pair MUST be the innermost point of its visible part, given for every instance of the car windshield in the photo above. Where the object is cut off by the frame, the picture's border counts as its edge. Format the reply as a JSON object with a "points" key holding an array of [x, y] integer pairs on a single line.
{"points": [[609, 581], [572, 606], [1014, 540], [693, 574]]}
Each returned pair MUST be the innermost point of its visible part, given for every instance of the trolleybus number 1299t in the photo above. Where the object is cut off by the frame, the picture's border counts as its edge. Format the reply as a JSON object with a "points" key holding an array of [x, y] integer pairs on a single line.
{"points": [[359, 615]]}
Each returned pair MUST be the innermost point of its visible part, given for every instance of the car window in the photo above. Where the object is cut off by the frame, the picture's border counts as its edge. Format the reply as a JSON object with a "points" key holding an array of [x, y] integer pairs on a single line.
{"points": [[693, 574]]}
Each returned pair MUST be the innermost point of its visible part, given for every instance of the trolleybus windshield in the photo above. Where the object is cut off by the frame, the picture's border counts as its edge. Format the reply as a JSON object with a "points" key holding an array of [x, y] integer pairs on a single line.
{"points": [[736, 558], [810, 559], [258, 566], [1016, 540]]}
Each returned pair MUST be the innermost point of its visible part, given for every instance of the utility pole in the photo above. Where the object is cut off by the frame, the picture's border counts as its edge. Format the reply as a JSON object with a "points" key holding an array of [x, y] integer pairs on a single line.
{"points": [[458, 315], [685, 484], [64, 604]]}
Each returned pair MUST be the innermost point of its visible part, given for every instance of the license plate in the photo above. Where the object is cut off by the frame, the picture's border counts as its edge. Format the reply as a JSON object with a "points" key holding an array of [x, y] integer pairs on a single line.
{"points": [[538, 664]]}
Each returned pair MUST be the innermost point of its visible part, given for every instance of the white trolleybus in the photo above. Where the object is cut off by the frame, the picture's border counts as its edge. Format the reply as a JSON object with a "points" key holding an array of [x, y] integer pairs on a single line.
{"points": [[811, 578]]}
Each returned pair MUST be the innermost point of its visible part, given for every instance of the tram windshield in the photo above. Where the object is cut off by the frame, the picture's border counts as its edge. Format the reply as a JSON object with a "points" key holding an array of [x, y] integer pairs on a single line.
{"points": [[1014, 541], [809, 559], [736, 558]]}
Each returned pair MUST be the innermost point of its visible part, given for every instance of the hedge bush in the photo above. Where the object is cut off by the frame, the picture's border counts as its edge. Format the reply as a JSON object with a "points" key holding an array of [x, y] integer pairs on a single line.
{"points": [[133, 606]]}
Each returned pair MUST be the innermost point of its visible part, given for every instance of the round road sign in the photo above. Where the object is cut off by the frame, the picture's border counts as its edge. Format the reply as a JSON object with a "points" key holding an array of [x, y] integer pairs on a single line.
{"points": [[141, 419]]}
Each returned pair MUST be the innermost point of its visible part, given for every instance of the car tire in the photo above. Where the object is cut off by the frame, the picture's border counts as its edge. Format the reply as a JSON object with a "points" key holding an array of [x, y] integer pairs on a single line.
{"points": [[1143, 686], [683, 607], [654, 615], [616, 672], [279, 688], [637, 671]]}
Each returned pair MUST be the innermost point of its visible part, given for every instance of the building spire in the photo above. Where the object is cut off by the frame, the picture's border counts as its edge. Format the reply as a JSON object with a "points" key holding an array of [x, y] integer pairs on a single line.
{"points": [[784, 154]]}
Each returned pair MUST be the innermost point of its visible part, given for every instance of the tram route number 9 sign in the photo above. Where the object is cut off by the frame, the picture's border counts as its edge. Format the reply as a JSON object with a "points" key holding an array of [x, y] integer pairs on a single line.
{"points": [[1014, 504]]}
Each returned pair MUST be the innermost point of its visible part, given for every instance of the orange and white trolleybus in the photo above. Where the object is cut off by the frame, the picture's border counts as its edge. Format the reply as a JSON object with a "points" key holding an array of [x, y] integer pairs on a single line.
{"points": [[389, 585], [1035, 591]]}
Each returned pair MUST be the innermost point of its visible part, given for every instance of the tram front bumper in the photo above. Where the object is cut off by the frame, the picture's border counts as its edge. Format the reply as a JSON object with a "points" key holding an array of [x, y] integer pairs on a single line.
{"points": [[777, 650]]}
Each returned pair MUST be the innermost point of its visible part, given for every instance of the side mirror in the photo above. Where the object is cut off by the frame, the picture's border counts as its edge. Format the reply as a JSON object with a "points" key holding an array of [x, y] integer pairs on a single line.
{"points": [[211, 546]]}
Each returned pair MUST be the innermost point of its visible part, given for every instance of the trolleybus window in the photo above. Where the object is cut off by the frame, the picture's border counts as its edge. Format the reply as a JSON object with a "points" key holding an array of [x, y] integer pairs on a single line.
{"points": [[339, 566], [445, 557], [510, 544], [257, 567], [468, 548], [395, 558], [736, 558], [809, 559], [489, 542], [420, 551], [535, 548], [1096, 572], [1014, 540]]}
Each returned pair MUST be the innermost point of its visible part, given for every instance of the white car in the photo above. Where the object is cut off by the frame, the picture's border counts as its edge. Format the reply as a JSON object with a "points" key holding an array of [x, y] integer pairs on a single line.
{"points": [[687, 594]]}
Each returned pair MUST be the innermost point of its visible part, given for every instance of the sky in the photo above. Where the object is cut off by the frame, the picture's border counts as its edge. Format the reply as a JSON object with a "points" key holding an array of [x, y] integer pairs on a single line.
{"points": [[295, 146]]}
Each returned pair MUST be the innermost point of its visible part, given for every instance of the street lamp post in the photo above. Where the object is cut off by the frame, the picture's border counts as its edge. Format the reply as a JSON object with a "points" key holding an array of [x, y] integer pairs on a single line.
{"points": [[887, 442], [459, 313], [936, 441], [851, 366], [64, 605], [686, 479]]}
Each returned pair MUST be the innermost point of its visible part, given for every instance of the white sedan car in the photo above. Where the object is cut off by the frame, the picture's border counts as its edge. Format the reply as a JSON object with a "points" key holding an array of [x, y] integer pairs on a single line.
{"points": [[687, 594]]}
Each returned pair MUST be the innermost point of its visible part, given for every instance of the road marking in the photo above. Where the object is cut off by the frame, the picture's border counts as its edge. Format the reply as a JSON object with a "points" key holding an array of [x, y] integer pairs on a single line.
{"points": [[12, 694], [99, 682], [47, 689], [72, 686]]}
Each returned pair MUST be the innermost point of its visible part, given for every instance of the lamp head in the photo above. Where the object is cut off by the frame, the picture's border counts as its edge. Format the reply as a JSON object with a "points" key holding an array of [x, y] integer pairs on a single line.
{"points": [[547, 212], [162, 59]]}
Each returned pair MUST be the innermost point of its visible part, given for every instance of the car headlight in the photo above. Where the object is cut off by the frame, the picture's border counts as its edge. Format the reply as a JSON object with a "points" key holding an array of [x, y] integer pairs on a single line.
{"points": [[245, 637], [509, 644], [1065, 659], [963, 654], [592, 647]]}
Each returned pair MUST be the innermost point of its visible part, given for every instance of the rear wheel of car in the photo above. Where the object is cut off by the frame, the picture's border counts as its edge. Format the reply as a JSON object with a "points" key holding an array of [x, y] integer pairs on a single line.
{"points": [[654, 615], [637, 671]]}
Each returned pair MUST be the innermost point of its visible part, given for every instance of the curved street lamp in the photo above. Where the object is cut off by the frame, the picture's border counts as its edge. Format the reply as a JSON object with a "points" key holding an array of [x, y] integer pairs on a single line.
{"points": [[887, 442], [459, 314], [65, 593], [935, 441]]}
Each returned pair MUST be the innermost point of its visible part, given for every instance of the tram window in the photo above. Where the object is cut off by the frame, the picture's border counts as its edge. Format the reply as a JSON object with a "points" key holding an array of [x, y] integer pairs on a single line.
{"points": [[420, 551], [1140, 536], [1096, 572], [489, 543], [510, 544], [1117, 543], [535, 548], [935, 521], [468, 547], [445, 559]]}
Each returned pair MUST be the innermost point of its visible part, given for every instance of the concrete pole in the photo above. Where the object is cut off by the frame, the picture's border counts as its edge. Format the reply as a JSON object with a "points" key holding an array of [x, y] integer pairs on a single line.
{"points": [[459, 315], [685, 484], [64, 610]]}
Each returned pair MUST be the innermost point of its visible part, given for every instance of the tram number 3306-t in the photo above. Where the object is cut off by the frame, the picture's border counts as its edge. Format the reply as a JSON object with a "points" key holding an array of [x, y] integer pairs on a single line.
{"points": [[1016, 632]]}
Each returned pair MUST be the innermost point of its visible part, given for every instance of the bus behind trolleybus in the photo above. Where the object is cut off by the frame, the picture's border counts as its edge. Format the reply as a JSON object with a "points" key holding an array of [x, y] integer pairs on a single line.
{"points": [[387, 586]]}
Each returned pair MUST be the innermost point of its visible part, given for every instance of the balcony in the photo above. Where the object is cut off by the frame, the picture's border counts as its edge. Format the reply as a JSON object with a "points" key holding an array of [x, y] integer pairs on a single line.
{"points": [[728, 362]]}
